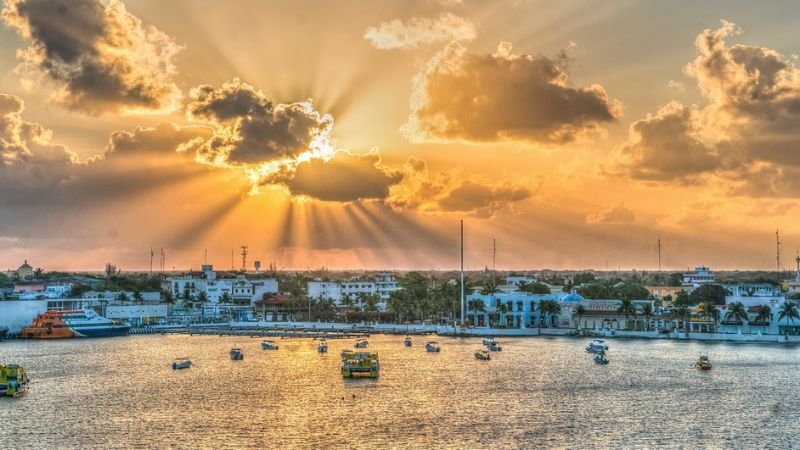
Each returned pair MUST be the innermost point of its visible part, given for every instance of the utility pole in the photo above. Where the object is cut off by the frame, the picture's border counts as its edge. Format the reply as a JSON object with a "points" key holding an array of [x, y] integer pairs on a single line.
{"points": [[494, 261], [151, 260], [778, 253], [659, 253], [462, 273]]}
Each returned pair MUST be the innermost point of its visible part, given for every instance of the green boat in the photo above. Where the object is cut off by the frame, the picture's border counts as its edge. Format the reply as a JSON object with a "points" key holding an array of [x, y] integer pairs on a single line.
{"points": [[13, 380], [360, 365]]}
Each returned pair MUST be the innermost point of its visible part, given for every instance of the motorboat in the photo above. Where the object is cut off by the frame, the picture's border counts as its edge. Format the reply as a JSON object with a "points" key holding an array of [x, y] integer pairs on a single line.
{"points": [[407, 341], [432, 347], [322, 347], [494, 346], [488, 340], [237, 354], [597, 345], [57, 324], [181, 363], [703, 363], [269, 345], [483, 355], [362, 343], [13, 380], [360, 365], [600, 358]]}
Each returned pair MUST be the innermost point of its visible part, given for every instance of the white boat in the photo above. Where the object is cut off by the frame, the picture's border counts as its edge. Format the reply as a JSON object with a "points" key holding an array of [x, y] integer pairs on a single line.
{"points": [[362, 343], [323, 346], [488, 340], [269, 345], [407, 341], [181, 363], [432, 347], [597, 345], [236, 354]]}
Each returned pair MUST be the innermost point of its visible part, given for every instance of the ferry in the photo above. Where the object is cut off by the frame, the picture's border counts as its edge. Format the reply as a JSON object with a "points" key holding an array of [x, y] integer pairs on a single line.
{"points": [[323, 346], [73, 323], [360, 365], [181, 363], [362, 343], [432, 347], [597, 345], [703, 363], [13, 380], [237, 354], [407, 341], [483, 355]]}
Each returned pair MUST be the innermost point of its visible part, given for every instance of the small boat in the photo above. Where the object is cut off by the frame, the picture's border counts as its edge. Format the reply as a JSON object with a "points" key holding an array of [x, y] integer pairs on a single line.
{"points": [[495, 347], [703, 363], [483, 355], [407, 341], [13, 380], [597, 345], [181, 363], [488, 340], [362, 343], [600, 358], [360, 365], [237, 354], [323, 346], [432, 347], [347, 353], [269, 345]]}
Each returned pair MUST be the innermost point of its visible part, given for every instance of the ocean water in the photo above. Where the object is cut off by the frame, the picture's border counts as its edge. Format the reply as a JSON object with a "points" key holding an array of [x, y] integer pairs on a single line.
{"points": [[536, 393]]}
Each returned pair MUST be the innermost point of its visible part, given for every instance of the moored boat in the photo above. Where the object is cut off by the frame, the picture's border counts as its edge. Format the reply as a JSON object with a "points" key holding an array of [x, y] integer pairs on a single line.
{"points": [[488, 340], [13, 380], [73, 323], [703, 363], [323, 346], [494, 346], [181, 363], [407, 341], [483, 355], [237, 354], [600, 358], [269, 345], [432, 347], [362, 343], [597, 345], [360, 365]]}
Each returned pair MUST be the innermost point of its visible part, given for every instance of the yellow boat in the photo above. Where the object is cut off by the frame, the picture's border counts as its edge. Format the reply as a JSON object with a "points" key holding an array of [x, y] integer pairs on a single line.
{"points": [[13, 380], [360, 365]]}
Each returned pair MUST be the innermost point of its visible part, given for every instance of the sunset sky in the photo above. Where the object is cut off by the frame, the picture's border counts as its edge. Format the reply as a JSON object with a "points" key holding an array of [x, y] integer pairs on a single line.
{"points": [[356, 134]]}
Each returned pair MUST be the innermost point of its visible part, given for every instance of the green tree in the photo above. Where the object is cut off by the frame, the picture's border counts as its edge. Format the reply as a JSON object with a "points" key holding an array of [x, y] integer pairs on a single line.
{"points": [[476, 306], [534, 288], [122, 297], [710, 312], [371, 305], [202, 298], [788, 311], [647, 312], [683, 312], [167, 297], [579, 312], [225, 298], [713, 293], [764, 316], [736, 312], [502, 310], [325, 309], [682, 299], [627, 309], [584, 278], [137, 296]]}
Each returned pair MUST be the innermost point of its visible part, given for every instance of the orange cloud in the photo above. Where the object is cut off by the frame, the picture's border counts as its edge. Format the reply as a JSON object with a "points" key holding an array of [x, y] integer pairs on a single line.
{"points": [[420, 31]]}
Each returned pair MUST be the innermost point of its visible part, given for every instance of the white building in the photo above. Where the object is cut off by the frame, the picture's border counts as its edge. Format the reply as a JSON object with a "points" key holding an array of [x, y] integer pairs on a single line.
{"points": [[240, 289], [382, 285], [701, 275], [518, 280]]}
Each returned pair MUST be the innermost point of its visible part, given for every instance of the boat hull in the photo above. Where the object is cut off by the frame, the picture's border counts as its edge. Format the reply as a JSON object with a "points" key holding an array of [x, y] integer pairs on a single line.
{"points": [[74, 332]]}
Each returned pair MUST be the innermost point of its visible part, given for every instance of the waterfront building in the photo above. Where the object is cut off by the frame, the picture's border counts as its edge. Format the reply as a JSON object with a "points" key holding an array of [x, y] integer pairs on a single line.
{"points": [[381, 285], [274, 308], [239, 288], [701, 275], [32, 290], [137, 315], [753, 290], [519, 280], [665, 293]]}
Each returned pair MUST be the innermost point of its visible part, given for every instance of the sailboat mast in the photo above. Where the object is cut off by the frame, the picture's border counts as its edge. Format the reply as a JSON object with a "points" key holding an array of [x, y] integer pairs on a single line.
{"points": [[462, 273]]}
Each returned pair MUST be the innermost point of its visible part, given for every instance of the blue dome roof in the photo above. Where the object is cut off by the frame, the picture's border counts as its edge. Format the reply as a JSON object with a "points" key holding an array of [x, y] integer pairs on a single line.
{"points": [[572, 298]]}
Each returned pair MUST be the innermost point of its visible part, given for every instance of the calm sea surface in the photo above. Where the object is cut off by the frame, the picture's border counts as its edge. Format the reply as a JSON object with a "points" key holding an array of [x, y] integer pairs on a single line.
{"points": [[537, 392]]}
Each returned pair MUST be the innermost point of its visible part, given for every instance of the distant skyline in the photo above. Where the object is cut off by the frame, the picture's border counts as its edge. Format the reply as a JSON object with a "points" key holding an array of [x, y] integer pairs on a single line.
{"points": [[351, 134]]}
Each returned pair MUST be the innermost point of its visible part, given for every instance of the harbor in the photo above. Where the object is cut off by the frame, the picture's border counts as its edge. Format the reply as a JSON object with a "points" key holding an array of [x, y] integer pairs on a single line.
{"points": [[534, 393]]}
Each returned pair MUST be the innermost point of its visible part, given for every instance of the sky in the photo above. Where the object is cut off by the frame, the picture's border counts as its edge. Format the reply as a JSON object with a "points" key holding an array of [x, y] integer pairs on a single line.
{"points": [[358, 134]]}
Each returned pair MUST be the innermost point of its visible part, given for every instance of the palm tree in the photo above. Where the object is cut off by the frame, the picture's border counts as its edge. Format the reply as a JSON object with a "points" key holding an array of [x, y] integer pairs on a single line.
{"points": [[347, 303], [122, 297], [225, 298], [137, 296], [788, 311], [202, 298], [683, 312], [580, 310], [627, 309], [502, 309], [477, 306], [710, 311], [371, 305], [764, 316], [736, 312], [551, 308], [647, 312]]}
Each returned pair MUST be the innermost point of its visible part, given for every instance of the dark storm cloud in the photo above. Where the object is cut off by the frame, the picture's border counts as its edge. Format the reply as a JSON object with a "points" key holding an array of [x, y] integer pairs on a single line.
{"points": [[503, 96], [101, 58], [482, 200], [251, 129]]}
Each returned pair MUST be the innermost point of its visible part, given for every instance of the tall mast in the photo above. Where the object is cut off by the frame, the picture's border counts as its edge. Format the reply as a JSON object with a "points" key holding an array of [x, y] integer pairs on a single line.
{"points": [[461, 299], [494, 260], [778, 253]]}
